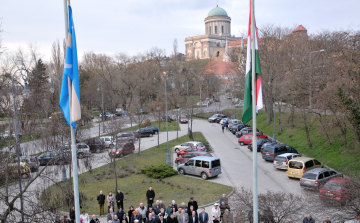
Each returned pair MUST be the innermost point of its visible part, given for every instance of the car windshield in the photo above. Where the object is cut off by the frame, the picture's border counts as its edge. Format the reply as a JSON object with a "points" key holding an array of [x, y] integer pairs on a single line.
{"points": [[119, 146], [333, 186], [309, 176], [215, 163], [295, 165], [280, 158], [200, 144]]}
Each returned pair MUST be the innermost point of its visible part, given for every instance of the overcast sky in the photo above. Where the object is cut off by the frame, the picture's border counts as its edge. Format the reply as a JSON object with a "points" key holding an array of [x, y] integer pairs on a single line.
{"points": [[134, 26]]}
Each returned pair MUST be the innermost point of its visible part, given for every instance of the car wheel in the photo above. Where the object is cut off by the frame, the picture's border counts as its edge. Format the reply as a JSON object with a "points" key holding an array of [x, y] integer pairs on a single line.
{"points": [[111, 146], [178, 162], [241, 143], [182, 171], [251, 149], [204, 176], [176, 150], [97, 150], [151, 135], [180, 155]]}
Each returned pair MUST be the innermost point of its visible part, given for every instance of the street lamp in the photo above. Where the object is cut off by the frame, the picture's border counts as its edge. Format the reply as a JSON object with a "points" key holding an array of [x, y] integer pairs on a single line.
{"points": [[26, 93], [310, 87], [102, 102], [52, 91], [167, 126], [274, 135]]}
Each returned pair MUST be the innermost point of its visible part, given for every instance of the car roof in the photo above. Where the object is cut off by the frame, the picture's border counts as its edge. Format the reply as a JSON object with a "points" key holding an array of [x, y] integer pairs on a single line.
{"points": [[205, 158], [287, 154], [316, 170], [302, 158]]}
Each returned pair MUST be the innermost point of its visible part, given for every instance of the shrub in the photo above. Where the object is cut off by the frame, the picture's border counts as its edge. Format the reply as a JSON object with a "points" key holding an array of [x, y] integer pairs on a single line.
{"points": [[146, 123], [159, 171]]}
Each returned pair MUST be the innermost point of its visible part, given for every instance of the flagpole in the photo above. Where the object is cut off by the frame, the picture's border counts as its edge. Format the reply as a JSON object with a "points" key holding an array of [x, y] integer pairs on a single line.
{"points": [[73, 146], [253, 89]]}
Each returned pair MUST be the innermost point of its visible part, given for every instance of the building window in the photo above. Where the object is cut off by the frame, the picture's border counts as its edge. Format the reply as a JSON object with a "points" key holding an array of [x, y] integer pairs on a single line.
{"points": [[222, 29], [198, 55], [215, 29]]}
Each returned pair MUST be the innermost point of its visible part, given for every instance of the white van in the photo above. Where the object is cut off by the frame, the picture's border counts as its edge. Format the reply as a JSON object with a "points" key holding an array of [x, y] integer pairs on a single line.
{"points": [[201, 166]]}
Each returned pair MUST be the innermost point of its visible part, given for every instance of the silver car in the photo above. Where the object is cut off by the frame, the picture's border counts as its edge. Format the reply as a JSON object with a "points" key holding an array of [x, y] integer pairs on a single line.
{"points": [[125, 137], [315, 178], [201, 166], [109, 142], [281, 161]]}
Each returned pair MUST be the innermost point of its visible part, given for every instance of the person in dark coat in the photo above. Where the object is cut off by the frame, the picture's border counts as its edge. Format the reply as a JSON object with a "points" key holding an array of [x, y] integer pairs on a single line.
{"points": [[124, 218], [174, 205], [172, 219], [120, 213], [193, 203], [157, 207], [66, 220], [150, 195], [162, 219], [203, 216], [72, 214], [308, 219], [268, 216], [94, 219], [119, 199], [101, 202], [130, 212], [193, 218], [190, 210], [223, 207]]}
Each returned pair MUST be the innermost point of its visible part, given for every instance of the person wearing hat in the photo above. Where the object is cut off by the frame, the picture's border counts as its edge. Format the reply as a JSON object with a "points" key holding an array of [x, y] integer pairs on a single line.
{"points": [[85, 217], [227, 217], [193, 203], [215, 213]]}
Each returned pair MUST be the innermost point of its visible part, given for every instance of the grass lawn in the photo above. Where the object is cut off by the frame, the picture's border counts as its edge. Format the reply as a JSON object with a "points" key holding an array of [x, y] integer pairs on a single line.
{"points": [[134, 184]]}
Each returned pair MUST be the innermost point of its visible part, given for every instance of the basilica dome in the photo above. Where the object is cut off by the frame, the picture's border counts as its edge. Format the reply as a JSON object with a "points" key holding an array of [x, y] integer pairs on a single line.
{"points": [[217, 11]]}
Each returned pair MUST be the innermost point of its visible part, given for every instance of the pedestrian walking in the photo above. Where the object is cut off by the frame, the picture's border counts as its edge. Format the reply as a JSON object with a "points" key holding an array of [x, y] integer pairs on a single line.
{"points": [[222, 127], [150, 195], [101, 202], [119, 199]]}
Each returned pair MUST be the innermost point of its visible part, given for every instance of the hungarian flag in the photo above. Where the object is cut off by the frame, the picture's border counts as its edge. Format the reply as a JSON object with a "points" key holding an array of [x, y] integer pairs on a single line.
{"points": [[247, 108]]}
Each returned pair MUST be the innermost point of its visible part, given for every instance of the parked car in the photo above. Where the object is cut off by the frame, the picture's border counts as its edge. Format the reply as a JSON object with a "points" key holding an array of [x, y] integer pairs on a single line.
{"points": [[179, 160], [183, 120], [219, 118], [191, 149], [185, 145], [109, 141], [267, 144], [30, 161], [222, 121], [235, 121], [122, 149], [5, 135], [107, 114], [281, 161], [246, 139], [154, 128], [142, 112], [214, 117], [83, 150], [259, 143], [201, 166], [339, 190], [145, 132], [13, 171], [244, 131], [236, 127], [299, 165], [271, 151], [170, 118], [317, 177], [136, 134], [125, 137], [96, 145], [118, 114], [59, 156]]}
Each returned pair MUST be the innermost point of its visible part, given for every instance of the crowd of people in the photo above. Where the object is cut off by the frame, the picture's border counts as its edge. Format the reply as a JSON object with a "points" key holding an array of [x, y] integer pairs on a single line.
{"points": [[157, 212]]}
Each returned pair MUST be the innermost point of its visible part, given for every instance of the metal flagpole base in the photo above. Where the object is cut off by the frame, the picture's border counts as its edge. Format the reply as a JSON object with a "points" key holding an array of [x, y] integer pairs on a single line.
{"points": [[168, 158]]}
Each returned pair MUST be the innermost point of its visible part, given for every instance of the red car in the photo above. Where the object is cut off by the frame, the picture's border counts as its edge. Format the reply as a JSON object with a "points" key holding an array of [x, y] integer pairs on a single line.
{"points": [[339, 190], [183, 119], [186, 157], [122, 149], [191, 149], [247, 139]]}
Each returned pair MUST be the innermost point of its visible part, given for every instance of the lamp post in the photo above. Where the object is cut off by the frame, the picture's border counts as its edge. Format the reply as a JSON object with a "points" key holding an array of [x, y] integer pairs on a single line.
{"points": [[26, 93], [310, 87], [167, 126], [102, 106], [274, 135], [52, 90]]}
